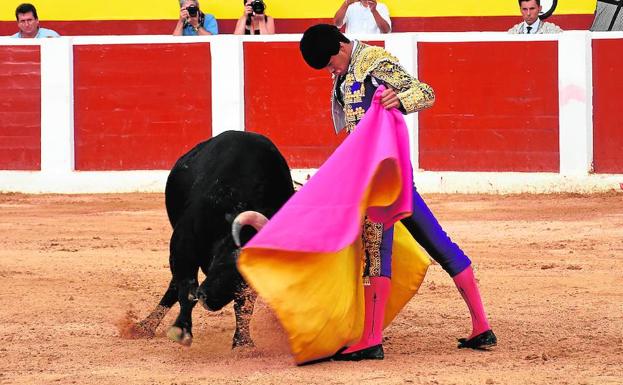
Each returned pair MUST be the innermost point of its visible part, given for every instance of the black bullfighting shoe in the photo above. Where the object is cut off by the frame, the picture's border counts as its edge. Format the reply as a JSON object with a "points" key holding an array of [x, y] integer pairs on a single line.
{"points": [[482, 341], [372, 353]]}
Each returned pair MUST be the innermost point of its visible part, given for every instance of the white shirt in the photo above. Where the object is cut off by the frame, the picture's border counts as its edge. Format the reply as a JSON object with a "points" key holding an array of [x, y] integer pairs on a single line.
{"points": [[359, 19], [535, 27], [41, 33]]}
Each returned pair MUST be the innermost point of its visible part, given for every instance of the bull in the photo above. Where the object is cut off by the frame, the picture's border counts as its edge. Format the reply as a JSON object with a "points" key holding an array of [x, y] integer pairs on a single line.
{"points": [[207, 188]]}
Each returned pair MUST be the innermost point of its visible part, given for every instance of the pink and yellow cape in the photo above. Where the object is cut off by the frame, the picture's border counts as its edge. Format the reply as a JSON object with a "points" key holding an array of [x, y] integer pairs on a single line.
{"points": [[307, 262]]}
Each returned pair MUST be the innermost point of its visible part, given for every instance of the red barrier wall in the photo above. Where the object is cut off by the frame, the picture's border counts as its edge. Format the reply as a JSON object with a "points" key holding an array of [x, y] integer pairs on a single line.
{"points": [[607, 117], [20, 108], [140, 106], [492, 112], [289, 102]]}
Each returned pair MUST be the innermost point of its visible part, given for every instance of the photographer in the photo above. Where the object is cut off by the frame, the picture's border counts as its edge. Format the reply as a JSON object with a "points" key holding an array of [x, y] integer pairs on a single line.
{"points": [[193, 22], [363, 16], [254, 20]]}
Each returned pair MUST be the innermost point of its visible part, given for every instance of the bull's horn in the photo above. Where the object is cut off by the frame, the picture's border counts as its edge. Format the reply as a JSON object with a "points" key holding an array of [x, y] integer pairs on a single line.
{"points": [[247, 218]]}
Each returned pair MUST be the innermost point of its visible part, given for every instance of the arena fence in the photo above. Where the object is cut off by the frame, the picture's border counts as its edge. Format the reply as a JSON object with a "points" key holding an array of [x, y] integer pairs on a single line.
{"points": [[513, 113]]}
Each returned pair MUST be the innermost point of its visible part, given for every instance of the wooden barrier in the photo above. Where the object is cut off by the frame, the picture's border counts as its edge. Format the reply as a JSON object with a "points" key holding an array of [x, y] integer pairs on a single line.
{"points": [[86, 106]]}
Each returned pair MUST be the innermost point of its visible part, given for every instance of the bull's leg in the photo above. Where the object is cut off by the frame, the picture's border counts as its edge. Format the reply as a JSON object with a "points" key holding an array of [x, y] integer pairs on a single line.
{"points": [[244, 301], [147, 327], [184, 268], [181, 331]]}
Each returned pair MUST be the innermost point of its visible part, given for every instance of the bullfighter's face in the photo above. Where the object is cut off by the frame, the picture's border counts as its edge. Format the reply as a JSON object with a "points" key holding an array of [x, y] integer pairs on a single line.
{"points": [[338, 64]]}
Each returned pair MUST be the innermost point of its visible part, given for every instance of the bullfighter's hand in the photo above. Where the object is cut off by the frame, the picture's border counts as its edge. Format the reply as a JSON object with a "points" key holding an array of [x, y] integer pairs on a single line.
{"points": [[389, 99]]}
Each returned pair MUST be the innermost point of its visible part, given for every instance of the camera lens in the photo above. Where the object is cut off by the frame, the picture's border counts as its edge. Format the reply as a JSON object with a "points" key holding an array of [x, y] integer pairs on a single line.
{"points": [[258, 7], [192, 10]]}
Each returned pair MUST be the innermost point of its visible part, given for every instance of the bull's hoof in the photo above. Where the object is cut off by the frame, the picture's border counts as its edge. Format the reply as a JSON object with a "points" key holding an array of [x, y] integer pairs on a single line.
{"points": [[179, 335], [242, 339], [143, 329], [242, 343]]}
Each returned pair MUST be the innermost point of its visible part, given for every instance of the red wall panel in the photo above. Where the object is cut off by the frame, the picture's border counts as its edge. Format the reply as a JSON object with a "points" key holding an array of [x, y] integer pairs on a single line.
{"points": [[607, 117], [493, 112], [20, 108], [140, 106], [289, 102]]}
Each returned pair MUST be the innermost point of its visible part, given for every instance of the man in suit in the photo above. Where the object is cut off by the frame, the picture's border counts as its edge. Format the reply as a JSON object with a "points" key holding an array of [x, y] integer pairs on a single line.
{"points": [[531, 23]]}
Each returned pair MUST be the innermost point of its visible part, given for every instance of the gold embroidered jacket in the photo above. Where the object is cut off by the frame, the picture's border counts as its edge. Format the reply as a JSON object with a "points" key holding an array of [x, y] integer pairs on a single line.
{"points": [[370, 67]]}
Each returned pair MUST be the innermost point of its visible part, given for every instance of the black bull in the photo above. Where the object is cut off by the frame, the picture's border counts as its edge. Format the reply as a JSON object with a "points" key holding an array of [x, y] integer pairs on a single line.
{"points": [[206, 189]]}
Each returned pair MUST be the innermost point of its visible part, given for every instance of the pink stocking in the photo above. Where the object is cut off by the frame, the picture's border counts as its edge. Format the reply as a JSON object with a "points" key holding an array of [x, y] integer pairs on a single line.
{"points": [[376, 295], [466, 283]]}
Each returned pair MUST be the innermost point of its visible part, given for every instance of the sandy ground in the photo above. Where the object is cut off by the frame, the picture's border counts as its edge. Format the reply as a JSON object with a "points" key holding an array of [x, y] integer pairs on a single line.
{"points": [[74, 268]]}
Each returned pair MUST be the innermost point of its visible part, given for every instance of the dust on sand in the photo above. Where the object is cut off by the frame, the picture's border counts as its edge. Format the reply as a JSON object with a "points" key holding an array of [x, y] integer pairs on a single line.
{"points": [[76, 272]]}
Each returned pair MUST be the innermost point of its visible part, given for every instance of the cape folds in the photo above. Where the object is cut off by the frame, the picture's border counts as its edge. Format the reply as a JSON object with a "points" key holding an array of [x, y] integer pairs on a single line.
{"points": [[307, 261]]}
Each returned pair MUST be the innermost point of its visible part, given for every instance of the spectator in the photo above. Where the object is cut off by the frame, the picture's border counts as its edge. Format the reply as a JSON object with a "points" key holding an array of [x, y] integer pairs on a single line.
{"points": [[28, 23], [193, 22], [530, 10], [254, 20], [363, 16]]}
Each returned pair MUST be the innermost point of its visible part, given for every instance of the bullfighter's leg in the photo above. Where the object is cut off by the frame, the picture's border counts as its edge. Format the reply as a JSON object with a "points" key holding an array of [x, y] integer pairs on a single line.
{"points": [[425, 229], [244, 302], [147, 327], [378, 245]]}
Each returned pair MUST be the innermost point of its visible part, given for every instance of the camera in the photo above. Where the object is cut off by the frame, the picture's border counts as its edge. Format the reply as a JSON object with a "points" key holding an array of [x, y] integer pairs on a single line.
{"points": [[192, 10], [258, 7]]}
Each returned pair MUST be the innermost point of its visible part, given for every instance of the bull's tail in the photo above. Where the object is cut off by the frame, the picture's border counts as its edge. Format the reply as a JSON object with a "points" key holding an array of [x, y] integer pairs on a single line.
{"points": [[248, 218]]}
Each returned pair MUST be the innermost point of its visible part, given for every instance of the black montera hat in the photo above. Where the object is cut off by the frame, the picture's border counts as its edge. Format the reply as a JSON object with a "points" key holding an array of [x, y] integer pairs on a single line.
{"points": [[319, 43]]}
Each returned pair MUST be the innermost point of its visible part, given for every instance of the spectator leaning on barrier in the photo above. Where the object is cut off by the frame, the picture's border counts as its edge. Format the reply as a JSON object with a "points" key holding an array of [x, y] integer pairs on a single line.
{"points": [[363, 16], [193, 22], [28, 23], [254, 19], [530, 10]]}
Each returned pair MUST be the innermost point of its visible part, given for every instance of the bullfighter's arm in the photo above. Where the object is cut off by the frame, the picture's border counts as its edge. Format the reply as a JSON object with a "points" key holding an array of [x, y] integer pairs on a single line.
{"points": [[378, 63]]}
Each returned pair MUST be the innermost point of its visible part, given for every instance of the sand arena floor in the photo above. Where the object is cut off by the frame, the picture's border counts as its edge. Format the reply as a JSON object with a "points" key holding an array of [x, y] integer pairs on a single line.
{"points": [[75, 269]]}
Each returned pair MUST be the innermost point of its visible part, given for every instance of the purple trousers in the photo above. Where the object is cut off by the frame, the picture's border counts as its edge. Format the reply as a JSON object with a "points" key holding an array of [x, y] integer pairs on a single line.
{"points": [[427, 231]]}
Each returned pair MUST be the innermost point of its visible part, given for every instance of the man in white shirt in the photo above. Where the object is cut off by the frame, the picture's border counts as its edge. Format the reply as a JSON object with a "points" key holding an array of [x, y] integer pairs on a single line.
{"points": [[363, 16], [28, 23], [530, 10]]}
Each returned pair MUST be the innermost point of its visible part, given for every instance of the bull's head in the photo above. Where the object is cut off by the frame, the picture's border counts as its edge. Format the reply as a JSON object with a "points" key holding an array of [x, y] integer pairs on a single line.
{"points": [[219, 289]]}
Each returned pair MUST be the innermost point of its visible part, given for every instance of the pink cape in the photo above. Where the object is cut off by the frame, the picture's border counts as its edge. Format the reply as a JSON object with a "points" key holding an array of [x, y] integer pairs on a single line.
{"points": [[370, 171], [307, 261]]}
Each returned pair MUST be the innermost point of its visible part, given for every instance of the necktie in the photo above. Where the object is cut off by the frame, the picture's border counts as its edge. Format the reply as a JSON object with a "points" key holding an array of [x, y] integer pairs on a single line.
{"points": [[528, 28]]}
